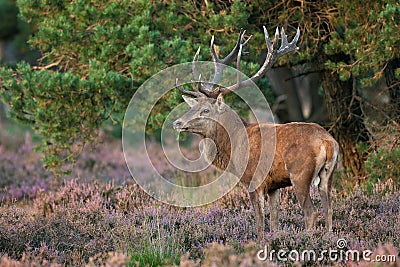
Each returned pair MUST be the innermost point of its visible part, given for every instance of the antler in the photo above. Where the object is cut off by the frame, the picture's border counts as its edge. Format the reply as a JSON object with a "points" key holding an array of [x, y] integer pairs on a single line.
{"points": [[186, 92], [219, 64], [272, 56], [206, 88]]}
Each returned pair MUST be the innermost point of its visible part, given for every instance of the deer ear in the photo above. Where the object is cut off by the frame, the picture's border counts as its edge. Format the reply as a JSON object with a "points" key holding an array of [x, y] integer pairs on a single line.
{"points": [[220, 102], [190, 101]]}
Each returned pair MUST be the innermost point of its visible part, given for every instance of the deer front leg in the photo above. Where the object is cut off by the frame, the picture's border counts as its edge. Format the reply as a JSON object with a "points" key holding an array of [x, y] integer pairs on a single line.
{"points": [[274, 199], [258, 201]]}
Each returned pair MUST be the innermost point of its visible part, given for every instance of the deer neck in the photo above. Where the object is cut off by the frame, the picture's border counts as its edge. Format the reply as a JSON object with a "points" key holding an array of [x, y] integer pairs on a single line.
{"points": [[223, 138]]}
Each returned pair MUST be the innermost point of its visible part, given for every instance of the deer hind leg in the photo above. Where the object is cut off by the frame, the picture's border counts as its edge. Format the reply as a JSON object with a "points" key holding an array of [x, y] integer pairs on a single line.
{"points": [[257, 200], [301, 186], [324, 189], [274, 199]]}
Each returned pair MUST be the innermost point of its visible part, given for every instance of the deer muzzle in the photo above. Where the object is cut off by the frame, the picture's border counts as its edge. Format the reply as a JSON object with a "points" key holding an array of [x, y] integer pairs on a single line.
{"points": [[178, 126]]}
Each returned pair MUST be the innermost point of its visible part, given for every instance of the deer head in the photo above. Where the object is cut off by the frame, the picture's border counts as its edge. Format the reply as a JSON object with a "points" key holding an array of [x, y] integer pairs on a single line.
{"points": [[203, 116], [208, 105]]}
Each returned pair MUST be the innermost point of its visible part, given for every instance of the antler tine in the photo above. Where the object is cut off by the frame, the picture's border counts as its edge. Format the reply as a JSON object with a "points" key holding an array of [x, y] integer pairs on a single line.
{"points": [[201, 85], [270, 46], [192, 93], [194, 69], [238, 72], [284, 38], [245, 42], [212, 49], [276, 38], [296, 37]]}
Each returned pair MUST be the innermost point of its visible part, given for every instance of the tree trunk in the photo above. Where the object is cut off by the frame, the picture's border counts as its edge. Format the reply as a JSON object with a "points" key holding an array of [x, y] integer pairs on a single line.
{"points": [[3, 116], [344, 108], [2, 50], [282, 83], [2, 109], [394, 87], [318, 106]]}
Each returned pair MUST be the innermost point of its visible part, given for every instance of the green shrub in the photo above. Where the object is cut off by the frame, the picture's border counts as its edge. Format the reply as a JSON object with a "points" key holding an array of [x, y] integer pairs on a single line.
{"points": [[381, 166], [156, 248]]}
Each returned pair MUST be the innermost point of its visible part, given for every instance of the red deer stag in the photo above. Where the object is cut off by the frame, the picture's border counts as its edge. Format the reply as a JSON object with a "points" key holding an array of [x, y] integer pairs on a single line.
{"points": [[305, 153]]}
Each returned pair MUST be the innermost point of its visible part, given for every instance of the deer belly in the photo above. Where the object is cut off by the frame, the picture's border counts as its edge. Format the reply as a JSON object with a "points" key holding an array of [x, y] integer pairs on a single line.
{"points": [[279, 184], [273, 183]]}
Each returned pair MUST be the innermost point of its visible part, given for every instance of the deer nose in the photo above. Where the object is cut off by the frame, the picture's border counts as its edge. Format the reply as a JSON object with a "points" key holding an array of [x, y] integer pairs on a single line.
{"points": [[176, 124]]}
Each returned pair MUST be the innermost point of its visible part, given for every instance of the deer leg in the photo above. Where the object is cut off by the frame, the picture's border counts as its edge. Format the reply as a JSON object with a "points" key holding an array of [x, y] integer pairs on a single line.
{"points": [[274, 198], [324, 189], [302, 190], [258, 201], [326, 204]]}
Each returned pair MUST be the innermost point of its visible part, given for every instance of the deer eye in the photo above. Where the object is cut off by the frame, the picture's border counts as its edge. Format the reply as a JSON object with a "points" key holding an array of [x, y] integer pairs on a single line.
{"points": [[205, 111]]}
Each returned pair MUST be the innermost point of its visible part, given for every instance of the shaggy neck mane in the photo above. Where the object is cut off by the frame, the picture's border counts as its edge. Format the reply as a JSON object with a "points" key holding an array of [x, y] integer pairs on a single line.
{"points": [[223, 146], [223, 141]]}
